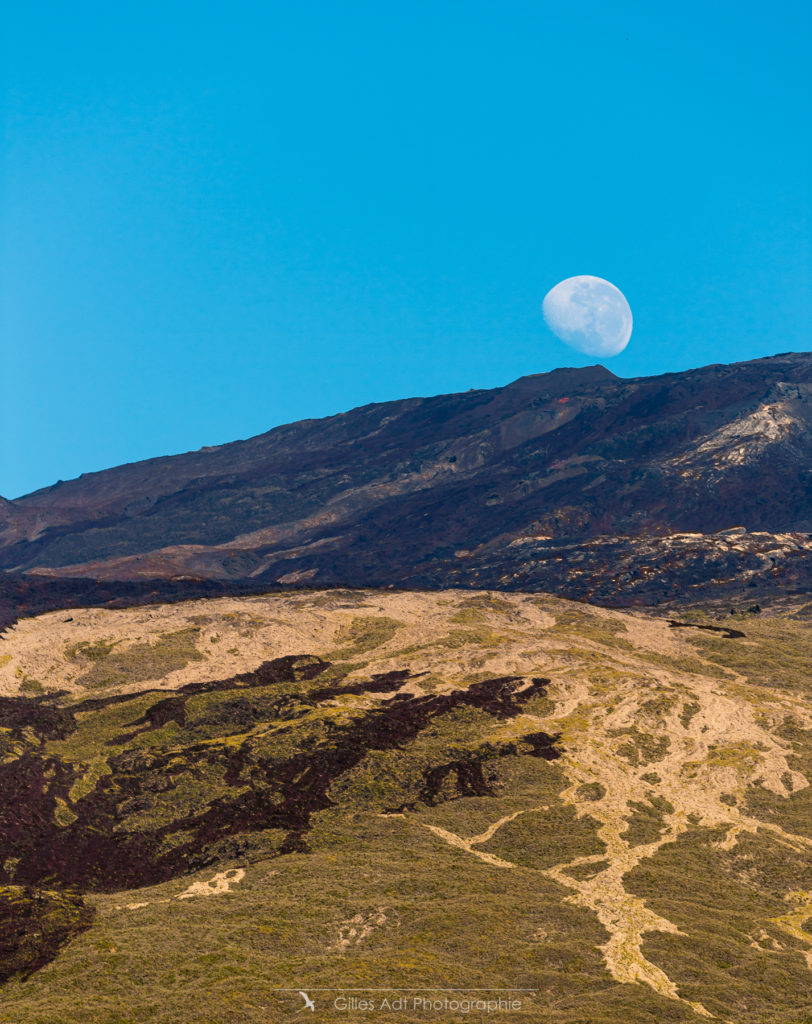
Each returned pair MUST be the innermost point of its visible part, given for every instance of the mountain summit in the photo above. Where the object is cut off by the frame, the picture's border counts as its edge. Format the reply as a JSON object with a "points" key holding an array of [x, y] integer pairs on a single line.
{"points": [[575, 481]]}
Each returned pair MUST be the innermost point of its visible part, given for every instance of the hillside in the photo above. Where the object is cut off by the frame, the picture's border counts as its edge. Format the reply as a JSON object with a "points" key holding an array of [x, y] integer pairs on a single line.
{"points": [[674, 488], [210, 805]]}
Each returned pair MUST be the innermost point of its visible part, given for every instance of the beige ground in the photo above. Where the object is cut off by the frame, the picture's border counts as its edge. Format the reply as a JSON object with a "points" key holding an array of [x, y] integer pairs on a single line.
{"points": [[218, 885], [240, 633], [617, 679]]}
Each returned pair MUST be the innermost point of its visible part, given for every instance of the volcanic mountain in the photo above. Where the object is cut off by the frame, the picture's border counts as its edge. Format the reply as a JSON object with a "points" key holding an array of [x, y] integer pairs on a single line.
{"points": [[640, 491]]}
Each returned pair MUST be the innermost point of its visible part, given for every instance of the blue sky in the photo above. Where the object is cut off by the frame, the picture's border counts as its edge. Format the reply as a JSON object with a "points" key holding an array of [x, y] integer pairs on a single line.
{"points": [[215, 218]]}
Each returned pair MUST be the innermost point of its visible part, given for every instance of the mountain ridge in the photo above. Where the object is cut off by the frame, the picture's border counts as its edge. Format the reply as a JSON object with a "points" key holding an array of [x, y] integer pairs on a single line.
{"points": [[424, 490]]}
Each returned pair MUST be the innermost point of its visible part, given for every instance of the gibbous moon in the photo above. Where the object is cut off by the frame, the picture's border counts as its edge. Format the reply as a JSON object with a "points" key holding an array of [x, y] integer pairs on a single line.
{"points": [[589, 314]]}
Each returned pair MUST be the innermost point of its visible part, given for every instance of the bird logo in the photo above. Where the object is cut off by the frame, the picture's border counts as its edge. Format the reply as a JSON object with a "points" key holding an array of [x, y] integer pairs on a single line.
{"points": [[309, 1004]]}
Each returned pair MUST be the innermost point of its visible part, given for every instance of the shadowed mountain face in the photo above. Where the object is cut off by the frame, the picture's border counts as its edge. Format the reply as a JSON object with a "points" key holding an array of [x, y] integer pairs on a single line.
{"points": [[575, 481]]}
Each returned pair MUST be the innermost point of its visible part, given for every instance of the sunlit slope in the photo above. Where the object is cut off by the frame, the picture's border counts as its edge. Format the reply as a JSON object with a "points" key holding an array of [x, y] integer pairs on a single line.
{"points": [[209, 802]]}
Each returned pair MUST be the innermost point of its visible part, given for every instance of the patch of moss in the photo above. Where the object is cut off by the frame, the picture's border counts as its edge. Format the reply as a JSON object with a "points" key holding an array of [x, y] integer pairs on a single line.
{"points": [[107, 667], [335, 599], [641, 747], [469, 617], [687, 663], [777, 654], [245, 620], [473, 611], [365, 633], [590, 626], [660, 704], [792, 813], [86, 650], [591, 791], [94, 728], [646, 822], [689, 709], [742, 755], [31, 685], [716, 905], [488, 603]]}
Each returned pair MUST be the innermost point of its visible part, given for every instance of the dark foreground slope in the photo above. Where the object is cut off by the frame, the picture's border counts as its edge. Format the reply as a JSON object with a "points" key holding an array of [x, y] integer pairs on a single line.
{"points": [[573, 481]]}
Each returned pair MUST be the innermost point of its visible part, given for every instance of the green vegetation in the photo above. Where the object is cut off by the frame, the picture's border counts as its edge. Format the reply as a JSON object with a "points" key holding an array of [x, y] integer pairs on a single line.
{"points": [[438, 907], [583, 872], [744, 756], [489, 602], [481, 638], [715, 901], [641, 747], [777, 652], [364, 633], [793, 813], [542, 839], [660, 704], [33, 926], [591, 791], [693, 665], [87, 650], [689, 709], [589, 625], [246, 622], [105, 666], [647, 820], [474, 611], [207, 960], [335, 599], [393, 839]]}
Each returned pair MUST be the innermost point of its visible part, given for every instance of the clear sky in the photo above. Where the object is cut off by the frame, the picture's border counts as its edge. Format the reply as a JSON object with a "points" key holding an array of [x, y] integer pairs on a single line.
{"points": [[218, 217]]}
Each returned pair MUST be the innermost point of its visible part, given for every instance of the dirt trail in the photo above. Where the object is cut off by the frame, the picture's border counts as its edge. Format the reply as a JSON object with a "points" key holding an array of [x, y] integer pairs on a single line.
{"points": [[218, 885], [795, 921], [645, 720], [624, 916], [468, 844], [686, 741], [703, 748]]}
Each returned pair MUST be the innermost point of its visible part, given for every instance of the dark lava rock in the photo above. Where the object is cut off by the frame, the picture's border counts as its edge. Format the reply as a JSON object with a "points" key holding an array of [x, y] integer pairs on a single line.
{"points": [[34, 925], [673, 489], [131, 829]]}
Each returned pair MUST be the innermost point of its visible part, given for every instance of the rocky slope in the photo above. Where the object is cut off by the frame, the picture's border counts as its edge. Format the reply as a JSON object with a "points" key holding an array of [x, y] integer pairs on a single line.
{"points": [[210, 805], [620, 491]]}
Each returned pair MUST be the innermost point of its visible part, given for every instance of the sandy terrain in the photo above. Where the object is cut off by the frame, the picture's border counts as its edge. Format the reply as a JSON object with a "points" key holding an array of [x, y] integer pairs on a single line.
{"points": [[617, 679]]}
